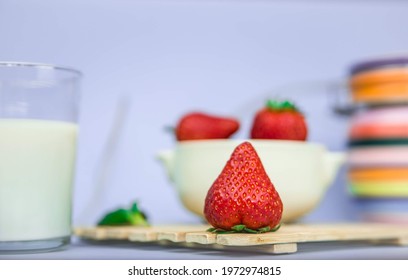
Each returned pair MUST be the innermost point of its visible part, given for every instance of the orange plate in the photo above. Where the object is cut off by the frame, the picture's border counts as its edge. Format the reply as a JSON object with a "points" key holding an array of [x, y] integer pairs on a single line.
{"points": [[378, 174]]}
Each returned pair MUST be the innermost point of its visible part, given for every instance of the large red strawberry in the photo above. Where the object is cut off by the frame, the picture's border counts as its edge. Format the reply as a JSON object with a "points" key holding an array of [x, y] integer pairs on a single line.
{"points": [[279, 120], [243, 197], [197, 125]]}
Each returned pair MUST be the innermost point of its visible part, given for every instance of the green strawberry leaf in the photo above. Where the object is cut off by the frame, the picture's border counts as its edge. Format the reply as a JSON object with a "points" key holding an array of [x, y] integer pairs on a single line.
{"points": [[276, 228], [238, 228], [284, 105], [243, 229], [122, 217], [248, 230], [117, 217], [264, 229]]}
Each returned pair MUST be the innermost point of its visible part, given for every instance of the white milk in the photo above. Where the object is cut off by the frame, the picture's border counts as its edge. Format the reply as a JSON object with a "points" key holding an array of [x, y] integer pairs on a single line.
{"points": [[36, 176]]}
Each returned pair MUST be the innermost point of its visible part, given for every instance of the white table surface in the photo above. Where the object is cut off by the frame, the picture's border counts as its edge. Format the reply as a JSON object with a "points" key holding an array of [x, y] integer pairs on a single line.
{"points": [[80, 249]]}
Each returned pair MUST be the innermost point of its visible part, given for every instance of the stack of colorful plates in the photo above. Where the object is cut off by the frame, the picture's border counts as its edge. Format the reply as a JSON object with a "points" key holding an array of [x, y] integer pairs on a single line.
{"points": [[378, 157]]}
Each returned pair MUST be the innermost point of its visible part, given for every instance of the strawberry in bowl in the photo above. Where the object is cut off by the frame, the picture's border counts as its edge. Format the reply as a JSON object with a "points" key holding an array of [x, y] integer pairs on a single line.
{"points": [[279, 120], [199, 125]]}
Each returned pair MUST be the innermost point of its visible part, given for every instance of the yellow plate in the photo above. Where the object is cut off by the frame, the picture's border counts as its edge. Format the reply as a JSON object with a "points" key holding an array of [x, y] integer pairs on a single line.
{"points": [[379, 189]]}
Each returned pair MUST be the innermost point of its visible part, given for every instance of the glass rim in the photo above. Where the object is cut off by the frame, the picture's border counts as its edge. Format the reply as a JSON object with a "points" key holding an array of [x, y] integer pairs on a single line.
{"points": [[40, 66]]}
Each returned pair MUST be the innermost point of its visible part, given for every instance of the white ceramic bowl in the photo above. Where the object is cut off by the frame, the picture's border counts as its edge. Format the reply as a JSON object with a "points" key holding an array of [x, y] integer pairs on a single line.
{"points": [[300, 171]]}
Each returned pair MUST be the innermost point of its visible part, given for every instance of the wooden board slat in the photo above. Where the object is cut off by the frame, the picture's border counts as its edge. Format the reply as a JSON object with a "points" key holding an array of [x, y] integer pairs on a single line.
{"points": [[284, 240], [179, 234], [316, 233]]}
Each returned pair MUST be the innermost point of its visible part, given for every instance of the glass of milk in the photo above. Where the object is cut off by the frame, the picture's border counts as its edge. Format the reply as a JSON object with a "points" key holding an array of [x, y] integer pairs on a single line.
{"points": [[38, 136]]}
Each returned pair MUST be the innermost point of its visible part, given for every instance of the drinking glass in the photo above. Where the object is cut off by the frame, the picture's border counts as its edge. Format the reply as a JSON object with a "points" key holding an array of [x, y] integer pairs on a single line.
{"points": [[38, 138]]}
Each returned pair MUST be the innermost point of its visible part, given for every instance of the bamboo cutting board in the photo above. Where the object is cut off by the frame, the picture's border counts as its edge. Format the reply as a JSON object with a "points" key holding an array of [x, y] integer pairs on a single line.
{"points": [[284, 240]]}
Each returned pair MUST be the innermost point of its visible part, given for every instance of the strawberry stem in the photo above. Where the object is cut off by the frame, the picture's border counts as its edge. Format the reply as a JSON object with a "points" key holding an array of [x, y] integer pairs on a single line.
{"points": [[243, 229], [280, 105], [170, 129]]}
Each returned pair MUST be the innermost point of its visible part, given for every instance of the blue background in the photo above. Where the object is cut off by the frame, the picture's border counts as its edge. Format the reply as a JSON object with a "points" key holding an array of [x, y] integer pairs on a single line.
{"points": [[159, 59]]}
